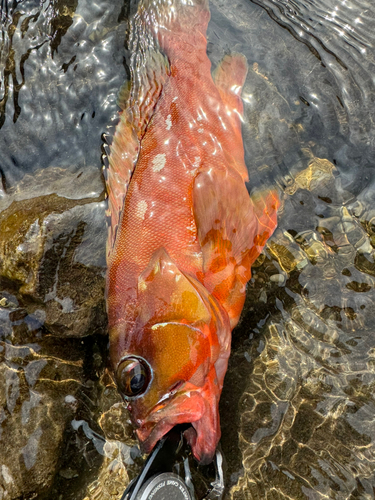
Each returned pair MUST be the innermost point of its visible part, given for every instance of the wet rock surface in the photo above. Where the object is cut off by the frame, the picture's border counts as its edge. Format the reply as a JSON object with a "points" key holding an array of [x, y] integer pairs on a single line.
{"points": [[63, 426], [39, 377], [44, 249]]}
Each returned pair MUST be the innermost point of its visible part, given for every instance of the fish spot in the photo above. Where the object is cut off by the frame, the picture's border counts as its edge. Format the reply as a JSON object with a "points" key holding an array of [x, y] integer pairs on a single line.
{"points": [[158, 163], [142, 286], [141, 209], [197, 161], [168, 122]]}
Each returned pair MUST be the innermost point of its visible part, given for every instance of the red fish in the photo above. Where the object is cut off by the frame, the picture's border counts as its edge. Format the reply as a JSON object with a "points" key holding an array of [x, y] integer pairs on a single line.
{"points": [[184, 231]]}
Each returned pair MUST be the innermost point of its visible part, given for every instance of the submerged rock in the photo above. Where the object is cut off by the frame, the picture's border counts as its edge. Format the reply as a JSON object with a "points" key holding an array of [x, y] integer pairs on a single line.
{"points": [[305, 393], [38, 378], [52, 268], [52, 254]]}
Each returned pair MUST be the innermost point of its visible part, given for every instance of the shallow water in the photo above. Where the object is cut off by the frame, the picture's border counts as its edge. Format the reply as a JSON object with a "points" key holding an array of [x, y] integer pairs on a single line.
{"points": [[298, 403]]}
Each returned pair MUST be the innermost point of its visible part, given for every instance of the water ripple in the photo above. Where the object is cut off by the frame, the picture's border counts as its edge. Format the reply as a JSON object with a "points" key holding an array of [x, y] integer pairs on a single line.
{"points": [[341, 35], [61, 68]]}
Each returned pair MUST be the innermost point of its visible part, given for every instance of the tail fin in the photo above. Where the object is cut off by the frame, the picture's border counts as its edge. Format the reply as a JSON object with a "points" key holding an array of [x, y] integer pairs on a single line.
{"points": [[178, 25]]}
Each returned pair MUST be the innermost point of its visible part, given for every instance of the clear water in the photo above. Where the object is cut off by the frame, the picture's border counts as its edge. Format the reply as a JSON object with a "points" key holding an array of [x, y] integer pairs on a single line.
{"points": [[298, 403]]}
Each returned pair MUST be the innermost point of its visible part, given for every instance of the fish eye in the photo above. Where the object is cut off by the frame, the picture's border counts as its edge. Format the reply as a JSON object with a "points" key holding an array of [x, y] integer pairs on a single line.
{"points": [[133, 376]]}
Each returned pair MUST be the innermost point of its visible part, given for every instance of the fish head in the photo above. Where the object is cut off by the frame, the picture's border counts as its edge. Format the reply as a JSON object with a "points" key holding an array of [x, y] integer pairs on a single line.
{"points": [[170, 364]]}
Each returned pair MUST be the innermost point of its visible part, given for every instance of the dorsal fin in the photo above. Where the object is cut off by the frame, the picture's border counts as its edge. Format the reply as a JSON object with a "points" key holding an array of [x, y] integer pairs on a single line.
{"points": [[149, 70], [229, 78], [123, 95]]}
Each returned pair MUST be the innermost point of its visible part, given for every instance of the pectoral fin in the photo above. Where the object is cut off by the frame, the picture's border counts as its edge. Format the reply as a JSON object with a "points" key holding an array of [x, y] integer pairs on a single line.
{"points": [[232, 230]]}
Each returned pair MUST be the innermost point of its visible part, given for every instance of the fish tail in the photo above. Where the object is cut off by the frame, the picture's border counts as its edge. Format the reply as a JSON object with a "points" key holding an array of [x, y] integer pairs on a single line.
{"points": [[177, 25]]}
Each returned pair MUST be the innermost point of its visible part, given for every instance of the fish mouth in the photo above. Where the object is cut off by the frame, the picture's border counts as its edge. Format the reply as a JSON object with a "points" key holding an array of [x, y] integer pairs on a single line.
{"points": [[185, 408]]}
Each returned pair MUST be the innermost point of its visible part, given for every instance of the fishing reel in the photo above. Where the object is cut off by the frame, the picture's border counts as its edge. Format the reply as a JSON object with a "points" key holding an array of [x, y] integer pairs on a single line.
{"points": [[171, 473]]}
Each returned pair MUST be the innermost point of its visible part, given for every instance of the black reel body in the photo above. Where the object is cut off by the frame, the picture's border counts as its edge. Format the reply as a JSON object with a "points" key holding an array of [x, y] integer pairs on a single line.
{"points": [[171, 473]]}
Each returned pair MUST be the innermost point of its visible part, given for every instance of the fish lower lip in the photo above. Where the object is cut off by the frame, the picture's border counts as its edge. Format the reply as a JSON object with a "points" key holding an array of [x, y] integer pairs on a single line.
{"points": [[148, 444], [158, 422]]}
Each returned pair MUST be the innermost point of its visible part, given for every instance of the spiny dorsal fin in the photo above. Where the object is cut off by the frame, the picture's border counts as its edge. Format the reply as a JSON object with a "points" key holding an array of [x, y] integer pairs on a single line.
{"points": [[229, 78], [137, 99], [123, 95]]}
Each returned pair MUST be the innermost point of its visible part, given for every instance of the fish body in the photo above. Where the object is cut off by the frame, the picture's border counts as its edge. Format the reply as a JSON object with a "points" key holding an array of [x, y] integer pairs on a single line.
{"points": [[183, 230]]}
